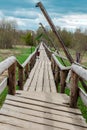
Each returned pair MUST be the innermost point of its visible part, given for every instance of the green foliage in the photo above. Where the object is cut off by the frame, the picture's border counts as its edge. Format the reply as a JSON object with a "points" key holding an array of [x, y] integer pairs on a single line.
{"points": [[29, 39], [7, 32], [3, 96], [25, 52], [65, 61]]}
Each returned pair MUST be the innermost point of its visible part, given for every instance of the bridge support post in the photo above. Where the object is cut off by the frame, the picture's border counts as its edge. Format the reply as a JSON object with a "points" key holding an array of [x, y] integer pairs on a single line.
{"points": [[21, 78], [57, 75], [26, 71], [52, 65], [63, 75], [74, 90], [12, 79]]}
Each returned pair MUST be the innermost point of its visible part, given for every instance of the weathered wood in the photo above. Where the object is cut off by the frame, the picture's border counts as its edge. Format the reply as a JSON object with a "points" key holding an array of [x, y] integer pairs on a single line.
{"points": [[26, 71], [63, 75], [43, 104], [57, 75], [27, 124], [30, 77], [35, 78], [53, 120], [7, 126], [51, 79], [52, 64], [3, 85], [4, 65], [53, 98], [21, 78], [40, 78], [72, 114], [74, 90], [12, 79], [48, 51], [46, 84], [22, 111], [81, 72]]}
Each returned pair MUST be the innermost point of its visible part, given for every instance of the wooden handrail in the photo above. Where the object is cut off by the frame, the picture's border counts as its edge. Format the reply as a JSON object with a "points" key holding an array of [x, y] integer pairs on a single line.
{"points": [[68, 78], [11, 64], [4, 65], [80, 71]]}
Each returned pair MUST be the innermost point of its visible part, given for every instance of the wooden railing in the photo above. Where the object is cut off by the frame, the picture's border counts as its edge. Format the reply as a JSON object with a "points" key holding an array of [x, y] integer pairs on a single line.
{"points": [[12, 65], [76, 73], [68, 77]]}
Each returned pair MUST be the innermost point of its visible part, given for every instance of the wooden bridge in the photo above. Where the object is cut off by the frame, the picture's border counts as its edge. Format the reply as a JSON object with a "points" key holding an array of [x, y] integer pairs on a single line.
{"points": [[37, 105]]}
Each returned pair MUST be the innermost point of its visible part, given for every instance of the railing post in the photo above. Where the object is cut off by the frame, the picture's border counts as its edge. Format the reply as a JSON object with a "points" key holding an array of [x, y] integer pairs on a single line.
{"points": [[74, 90], [26, 71], [52, 64], [21, 78], [56, 75], [63, 75], [12, 79]]}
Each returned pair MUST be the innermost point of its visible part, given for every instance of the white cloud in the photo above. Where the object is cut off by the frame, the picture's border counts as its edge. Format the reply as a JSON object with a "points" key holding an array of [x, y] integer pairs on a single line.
{"points": [[1, 14], [72, 21], [26, 13]]}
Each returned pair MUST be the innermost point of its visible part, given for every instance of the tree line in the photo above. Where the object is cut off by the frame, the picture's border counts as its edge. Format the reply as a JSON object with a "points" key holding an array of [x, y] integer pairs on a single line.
{"points": [[10, 35]]}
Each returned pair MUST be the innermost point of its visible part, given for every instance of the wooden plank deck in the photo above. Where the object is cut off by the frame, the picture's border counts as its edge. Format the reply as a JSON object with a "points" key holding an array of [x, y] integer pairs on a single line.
{"points": [[41, 77], [39, 106]]}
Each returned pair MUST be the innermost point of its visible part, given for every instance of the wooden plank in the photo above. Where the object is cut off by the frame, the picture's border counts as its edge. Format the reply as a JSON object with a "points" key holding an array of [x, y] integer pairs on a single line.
{"points": [[3, 85], [5, 126], [46, 84], [54, 98], [35, 78], [30, 78], [26, 125], [40, 78], [44, 104], [27, 110], [43, 109], [51, 78], [49, 116], [44, 121]]}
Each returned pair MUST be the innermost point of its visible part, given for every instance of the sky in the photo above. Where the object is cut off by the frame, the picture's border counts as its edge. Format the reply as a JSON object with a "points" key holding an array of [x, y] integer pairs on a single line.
{"points": [[69, 14]]}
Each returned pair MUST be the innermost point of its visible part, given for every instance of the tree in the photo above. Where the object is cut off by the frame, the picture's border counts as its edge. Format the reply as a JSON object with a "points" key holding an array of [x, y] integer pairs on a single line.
{"points": [[7, 31], [29, 39]]}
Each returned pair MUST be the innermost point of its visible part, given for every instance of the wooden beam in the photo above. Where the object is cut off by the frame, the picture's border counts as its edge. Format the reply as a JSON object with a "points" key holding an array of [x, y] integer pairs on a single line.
{"points": [[74, 90], [12, 79]]}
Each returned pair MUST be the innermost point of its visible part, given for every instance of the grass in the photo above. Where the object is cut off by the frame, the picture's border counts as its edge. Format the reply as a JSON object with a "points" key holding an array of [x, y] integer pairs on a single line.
{"points": [[24, 54], [21, 55], [64, 62], [3, 96]]}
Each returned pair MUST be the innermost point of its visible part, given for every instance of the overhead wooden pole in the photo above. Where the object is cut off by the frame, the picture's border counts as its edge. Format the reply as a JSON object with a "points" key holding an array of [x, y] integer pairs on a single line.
{"points": [[68, 55], [39, 4], [48, 36], [51, 41]]}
